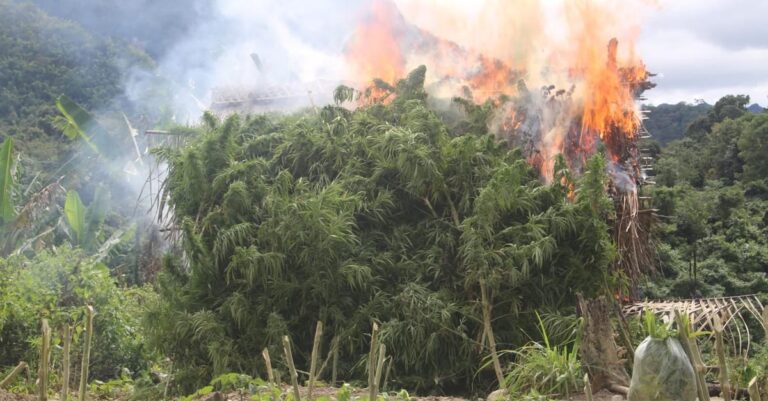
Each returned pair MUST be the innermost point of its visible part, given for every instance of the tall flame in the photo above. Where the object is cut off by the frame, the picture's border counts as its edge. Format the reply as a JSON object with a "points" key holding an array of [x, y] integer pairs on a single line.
{"points": [[490, 46]]}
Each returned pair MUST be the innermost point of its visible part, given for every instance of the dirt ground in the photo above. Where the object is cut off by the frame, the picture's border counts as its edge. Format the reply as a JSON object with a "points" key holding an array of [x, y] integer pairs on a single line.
{"points": [[6, 396]]}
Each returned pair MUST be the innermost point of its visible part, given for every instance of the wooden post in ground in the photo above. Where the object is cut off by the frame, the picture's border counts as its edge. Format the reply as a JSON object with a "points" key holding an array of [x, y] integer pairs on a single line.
{"points": [[488, 329], [725, 385], [379, 369], [45, 358], [86, 354], [67, 341], [599, 352], [292, 368], [314, 356], [335, 362], [372, 362], [268, 362], [754, 389], [15, 372], [587, 388], [691, 349]]}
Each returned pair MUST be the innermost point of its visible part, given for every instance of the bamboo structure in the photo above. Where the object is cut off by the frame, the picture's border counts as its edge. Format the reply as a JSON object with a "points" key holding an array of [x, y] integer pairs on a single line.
{"points": [[292, 368], [702, 312], [45, 357], [81, 396], [65, 373], [314, 356]]}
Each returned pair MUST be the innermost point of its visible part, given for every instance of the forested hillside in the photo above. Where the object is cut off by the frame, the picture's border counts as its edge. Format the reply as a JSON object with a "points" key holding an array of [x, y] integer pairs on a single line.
{"points": [[713, 205], [43, 58], [668, 122]]}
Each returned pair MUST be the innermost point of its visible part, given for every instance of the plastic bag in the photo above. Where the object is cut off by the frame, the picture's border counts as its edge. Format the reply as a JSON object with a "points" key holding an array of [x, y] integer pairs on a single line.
{"points": [[662, 372]]}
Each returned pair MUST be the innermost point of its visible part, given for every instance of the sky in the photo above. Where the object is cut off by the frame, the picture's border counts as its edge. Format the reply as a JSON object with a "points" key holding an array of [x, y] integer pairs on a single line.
{"points": [[704, 49]]}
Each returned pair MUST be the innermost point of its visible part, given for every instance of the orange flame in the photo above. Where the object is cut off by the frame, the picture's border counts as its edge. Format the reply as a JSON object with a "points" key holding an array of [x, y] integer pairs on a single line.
{"points": [[374, 50], [490, 50]]}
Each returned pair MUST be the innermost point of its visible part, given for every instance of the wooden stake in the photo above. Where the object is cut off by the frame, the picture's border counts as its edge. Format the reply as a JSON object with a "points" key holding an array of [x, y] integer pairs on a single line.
{"points": [[725, 385], [67, 340], [386, 375], [86, 354], [15, 372], [691, 349], [753, 389], [587, 388], [372, 363], [335, 363], [379, 369], [292, 368], [314, 356], [45, 357], [488, 330], [327, 359], [268, 362]]}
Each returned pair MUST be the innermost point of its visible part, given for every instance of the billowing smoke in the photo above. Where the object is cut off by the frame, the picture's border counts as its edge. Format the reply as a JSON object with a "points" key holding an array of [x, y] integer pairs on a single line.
{"points": [[244, 45]]}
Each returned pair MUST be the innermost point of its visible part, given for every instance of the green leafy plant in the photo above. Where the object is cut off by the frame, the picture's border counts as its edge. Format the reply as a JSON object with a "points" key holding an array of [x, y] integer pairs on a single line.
{"points": [[545, 368]]}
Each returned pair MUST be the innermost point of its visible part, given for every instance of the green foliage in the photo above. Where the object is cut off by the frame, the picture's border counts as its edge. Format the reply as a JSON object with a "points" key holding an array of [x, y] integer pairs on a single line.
{"points": [[86, 222], [712, 194], [7, 211], [545, 368], [668, 122], [56, 286], [384, 214], [656, 329]]}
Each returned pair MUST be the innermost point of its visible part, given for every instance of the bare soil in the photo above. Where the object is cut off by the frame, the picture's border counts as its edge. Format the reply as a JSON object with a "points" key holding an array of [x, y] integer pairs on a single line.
{"points": [[6, 396]]}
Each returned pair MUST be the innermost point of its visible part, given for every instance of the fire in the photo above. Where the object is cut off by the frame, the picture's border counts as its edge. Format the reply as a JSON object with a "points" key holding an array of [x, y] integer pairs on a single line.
{"points": [[375, 50], [570, 49]]}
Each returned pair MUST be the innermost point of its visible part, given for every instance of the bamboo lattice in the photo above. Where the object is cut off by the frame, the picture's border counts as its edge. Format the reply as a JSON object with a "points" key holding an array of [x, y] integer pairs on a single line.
{"points": [[702, 313]]}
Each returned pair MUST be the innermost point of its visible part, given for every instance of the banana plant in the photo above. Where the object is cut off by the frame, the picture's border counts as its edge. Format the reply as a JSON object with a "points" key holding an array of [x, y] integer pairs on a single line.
{"points": [[74, 122], [85, 222]]}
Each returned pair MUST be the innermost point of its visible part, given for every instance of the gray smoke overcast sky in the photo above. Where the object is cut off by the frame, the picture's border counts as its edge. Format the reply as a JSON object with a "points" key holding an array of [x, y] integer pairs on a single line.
{"points": [[704, 49]]}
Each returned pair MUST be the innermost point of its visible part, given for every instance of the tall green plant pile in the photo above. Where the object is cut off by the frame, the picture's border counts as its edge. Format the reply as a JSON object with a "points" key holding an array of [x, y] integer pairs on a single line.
{"points": [[57, 285], [379, 214]]}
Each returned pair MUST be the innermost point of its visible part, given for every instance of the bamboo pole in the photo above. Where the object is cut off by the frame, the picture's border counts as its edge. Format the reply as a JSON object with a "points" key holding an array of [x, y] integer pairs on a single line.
{"points": [[753, 389], [268, 362], [15, 372], [315, 355], [45, 358], [292, 368], [67, 340], [386, 375], [327, 359], [81, 396], [379, 368], [372, 362], [488, 330], [335, 363], [691, 349], [587, 388], [725, 385]]}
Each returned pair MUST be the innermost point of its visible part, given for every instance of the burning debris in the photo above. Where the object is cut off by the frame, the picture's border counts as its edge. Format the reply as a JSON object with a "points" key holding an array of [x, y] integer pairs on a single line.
{"points": [[586, 101]]}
